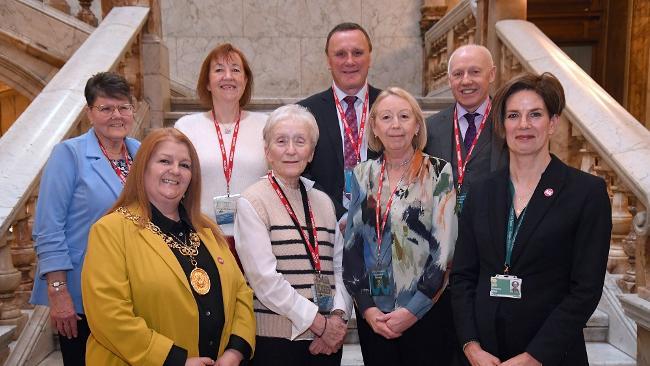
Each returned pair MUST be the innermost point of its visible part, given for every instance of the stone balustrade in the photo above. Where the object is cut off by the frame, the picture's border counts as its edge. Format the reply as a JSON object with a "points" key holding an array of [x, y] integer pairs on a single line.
{"points": [[456, 28], [55, 114]]}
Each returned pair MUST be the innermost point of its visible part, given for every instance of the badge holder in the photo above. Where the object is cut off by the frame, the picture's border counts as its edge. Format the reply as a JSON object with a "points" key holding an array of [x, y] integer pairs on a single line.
{"points": [[322, 291], [380, 283], [505, 286], [225, 208], [460, 200]]}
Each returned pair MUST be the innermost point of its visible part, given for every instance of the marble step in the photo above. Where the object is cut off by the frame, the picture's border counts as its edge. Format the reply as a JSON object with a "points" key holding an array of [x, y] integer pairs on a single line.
{"points": [[599, 353], [53, 359], [597, 327], [604, 354]]}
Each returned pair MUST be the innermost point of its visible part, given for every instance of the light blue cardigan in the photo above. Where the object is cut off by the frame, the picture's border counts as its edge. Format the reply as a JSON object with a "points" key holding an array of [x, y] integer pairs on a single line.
{"points": [[78, 185]]}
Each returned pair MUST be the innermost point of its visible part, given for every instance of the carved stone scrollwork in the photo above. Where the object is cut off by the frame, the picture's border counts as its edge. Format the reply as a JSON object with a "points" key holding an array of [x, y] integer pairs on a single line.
{"points": [[621, 220], [642, 230], [628, 283], [85, 14], [10, 314], [23, 254], [430, 16]]}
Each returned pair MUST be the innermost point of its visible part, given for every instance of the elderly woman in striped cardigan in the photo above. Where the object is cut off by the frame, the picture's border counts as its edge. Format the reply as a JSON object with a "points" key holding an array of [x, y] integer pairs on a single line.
{"points": [[291, 251]]}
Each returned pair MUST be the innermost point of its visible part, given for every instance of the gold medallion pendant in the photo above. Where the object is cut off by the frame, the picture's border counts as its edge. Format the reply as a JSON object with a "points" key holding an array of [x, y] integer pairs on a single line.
{"points": [[200, 281]]}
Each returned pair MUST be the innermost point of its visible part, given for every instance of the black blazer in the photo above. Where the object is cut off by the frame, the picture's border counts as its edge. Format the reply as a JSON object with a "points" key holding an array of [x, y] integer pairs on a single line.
{"points": [[326, 168], [560, 254], [490, 152]]}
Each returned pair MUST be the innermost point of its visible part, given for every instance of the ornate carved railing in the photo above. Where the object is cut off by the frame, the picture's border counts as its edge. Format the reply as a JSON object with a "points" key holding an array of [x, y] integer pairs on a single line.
{"points": [[55, 114], [456, 28]]}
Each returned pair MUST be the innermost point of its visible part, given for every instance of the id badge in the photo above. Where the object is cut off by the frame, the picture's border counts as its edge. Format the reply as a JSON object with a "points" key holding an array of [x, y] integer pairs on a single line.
{"points": [[348, 181], [505, 286], [322, 291], [460, 200], [380, 284], [225, 208]]}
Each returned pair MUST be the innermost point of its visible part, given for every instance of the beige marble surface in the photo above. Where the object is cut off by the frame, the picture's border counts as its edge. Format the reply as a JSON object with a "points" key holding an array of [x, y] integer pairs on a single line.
{"points": [[284, 40]]}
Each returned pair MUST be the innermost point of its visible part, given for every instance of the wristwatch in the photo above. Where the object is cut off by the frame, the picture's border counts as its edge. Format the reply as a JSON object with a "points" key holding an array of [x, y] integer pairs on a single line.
{"points": [[57, 285], [339, 313]]}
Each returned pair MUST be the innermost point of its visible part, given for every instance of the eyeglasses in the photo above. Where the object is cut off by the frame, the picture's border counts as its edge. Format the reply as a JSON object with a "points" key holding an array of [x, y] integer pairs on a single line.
{"points": [[107, 110]]}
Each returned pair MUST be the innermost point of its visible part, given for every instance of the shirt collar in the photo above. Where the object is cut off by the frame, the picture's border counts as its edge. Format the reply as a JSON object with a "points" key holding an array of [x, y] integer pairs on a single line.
{"points": [[361, 94], [480, 110], [168, 225]]}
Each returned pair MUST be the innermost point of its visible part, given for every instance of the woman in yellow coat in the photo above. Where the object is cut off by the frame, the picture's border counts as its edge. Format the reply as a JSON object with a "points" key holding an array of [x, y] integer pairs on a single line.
{"points": [[159, 285]]}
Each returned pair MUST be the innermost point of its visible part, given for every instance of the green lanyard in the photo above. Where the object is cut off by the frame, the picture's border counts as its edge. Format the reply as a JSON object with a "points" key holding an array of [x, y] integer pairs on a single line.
{"points": [[511, 234]]}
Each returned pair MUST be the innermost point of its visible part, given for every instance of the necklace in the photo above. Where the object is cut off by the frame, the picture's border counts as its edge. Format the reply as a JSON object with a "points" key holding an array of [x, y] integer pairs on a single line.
{"points": [[402, 163], [199, 278]]}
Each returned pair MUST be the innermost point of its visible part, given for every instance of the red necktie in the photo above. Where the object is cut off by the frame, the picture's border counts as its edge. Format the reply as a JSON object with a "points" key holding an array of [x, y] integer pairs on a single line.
{"points": [[350, 156]]}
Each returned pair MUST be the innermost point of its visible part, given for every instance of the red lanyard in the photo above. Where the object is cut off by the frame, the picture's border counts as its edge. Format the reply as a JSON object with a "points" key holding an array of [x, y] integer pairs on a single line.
{"points": [[461, 165], [313, 249], [227, 161], [118, 171], [380, 229], [348, 130]]}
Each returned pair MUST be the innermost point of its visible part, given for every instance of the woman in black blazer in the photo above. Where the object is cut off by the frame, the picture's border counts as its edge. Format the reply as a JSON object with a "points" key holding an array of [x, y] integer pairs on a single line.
{"points": [[533, 242]]}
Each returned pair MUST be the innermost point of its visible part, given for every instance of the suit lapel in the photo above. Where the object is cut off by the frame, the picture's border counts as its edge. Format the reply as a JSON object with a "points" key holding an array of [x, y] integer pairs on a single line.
{"points": [[545, 194], [101, 165], [158, 245], [498, 198]]}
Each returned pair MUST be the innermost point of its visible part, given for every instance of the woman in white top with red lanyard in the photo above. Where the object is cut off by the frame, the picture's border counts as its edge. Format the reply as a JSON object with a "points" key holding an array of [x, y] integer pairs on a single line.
{"points": [[227, 138]]}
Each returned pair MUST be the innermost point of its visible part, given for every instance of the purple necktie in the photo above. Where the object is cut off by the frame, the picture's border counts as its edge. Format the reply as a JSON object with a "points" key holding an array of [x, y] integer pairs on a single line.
{"points": [[350, 158], [470, 134]]}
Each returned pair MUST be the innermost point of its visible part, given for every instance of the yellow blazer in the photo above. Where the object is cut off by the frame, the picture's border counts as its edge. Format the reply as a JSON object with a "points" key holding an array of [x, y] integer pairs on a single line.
{"points": [[138, 300]]}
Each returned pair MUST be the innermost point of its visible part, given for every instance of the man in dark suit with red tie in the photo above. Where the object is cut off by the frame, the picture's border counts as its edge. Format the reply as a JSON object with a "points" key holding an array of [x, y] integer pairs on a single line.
{"points": [[341, 112]]}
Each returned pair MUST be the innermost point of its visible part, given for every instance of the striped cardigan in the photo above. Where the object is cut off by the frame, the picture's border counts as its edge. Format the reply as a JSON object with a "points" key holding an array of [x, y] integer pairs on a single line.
{"points": [[292, 257]]}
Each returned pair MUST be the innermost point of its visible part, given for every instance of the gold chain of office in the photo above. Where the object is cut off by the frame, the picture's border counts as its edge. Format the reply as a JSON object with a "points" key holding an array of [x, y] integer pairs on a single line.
{"points": [[199, 278]]}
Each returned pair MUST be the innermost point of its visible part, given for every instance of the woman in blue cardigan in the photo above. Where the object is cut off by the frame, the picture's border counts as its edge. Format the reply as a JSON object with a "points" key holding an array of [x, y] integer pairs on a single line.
{"points": [[81, 180]]}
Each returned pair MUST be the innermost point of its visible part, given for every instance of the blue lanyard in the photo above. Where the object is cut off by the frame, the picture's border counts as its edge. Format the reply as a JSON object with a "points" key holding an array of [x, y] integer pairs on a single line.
{"points": [[513, 230]]}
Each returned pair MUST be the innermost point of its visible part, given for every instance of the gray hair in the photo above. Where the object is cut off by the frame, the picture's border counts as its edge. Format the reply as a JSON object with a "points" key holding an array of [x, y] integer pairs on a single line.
{"points": [[291, 112]]}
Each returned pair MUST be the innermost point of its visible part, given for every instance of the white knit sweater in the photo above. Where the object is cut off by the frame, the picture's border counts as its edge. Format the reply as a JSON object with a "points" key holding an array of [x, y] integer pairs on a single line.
{"points": [[249, 163]]}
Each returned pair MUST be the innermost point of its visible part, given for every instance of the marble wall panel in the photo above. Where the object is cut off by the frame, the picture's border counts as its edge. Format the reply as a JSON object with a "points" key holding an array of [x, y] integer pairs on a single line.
{"points": [[391, 18], [397, 61], [275, 62], [291, 18], [185, 18], [284, 40], [315, 75]]}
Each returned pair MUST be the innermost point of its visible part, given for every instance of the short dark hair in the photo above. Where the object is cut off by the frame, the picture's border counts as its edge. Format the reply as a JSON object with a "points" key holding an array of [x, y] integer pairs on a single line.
{"points": [[546, 85], [347, 27], [108, 85], [224, 50]]}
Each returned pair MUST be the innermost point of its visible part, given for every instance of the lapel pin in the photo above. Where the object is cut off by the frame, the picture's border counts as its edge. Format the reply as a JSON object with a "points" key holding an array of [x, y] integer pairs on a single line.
{"points": [[220, 260], [548, 192]]}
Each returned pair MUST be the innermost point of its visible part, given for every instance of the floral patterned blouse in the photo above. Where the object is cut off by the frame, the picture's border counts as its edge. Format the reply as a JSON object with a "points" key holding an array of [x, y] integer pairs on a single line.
{"points": [[417, 241]]}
